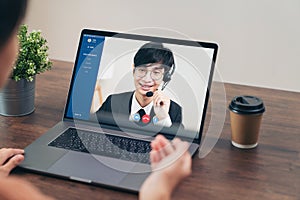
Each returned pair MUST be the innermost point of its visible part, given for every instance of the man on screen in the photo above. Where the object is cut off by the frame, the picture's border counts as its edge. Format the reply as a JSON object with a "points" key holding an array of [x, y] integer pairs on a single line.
{"points": [[153, 67]]}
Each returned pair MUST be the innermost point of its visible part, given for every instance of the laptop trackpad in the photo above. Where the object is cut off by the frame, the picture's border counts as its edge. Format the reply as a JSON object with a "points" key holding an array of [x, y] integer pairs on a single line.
{"points": [[90, 168]]}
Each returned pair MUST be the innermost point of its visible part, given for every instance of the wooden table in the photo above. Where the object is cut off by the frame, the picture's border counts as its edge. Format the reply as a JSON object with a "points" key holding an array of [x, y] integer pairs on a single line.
{"points": [[270, 171]]}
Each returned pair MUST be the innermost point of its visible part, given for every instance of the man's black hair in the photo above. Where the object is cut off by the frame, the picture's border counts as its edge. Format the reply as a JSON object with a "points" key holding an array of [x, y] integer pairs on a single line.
{"points": [[154, 53], [11, 14]]}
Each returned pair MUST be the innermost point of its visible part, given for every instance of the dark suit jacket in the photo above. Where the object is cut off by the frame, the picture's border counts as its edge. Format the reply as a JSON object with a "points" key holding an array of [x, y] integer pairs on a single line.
{"points": [[119, 105]]}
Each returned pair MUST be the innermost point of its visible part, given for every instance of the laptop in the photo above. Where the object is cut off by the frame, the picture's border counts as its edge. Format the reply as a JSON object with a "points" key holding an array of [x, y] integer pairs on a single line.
{"points": [[101, 140]]}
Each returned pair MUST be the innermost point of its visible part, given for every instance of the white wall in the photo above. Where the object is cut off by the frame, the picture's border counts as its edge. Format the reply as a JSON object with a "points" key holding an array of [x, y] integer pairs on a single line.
{"points": [[259, 40]]}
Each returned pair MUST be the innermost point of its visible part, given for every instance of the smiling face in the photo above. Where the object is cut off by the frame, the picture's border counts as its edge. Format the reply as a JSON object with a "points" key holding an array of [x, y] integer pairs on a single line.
{"points": [[148, 78]]}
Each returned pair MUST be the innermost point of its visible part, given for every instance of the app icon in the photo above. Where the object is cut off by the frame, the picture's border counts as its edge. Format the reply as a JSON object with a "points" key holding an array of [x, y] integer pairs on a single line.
{"points": [[136, 117], [154, 120], [146, 119]]}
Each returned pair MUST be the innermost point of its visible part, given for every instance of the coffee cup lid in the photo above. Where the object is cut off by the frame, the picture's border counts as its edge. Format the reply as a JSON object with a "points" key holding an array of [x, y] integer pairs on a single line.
{"points": [[247, 105]]}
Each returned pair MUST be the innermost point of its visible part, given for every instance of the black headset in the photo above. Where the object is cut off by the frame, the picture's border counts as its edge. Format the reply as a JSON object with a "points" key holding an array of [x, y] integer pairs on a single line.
{"points": [[167, 76]]}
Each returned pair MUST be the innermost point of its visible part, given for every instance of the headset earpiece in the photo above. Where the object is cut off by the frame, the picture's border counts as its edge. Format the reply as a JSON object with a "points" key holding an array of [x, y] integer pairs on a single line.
{"points": [[167, 77]]}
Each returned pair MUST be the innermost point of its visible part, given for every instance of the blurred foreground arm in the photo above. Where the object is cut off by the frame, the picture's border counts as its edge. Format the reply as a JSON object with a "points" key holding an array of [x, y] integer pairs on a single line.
{"points": [[171, 163], [14, 188]]}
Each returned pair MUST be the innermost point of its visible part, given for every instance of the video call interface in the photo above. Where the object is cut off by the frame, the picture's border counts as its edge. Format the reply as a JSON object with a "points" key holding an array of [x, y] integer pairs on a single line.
{"points": [[106, 82]]}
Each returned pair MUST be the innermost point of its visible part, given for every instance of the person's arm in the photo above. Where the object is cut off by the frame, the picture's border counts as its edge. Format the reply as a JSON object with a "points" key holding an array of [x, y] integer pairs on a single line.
{"points": [[9, 159], [171, 163], [14, 188]]}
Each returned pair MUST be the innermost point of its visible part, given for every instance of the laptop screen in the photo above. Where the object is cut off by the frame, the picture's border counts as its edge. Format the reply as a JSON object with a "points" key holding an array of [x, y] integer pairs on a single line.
{"points": [[145, 81]]}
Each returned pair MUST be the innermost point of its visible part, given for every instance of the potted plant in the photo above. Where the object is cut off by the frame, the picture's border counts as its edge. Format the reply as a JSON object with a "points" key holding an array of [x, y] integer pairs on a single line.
{"points": [[17, 97]]}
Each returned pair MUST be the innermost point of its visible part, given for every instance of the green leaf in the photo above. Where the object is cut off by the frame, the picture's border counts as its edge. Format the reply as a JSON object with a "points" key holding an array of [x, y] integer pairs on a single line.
{"points": [[33, 55]]}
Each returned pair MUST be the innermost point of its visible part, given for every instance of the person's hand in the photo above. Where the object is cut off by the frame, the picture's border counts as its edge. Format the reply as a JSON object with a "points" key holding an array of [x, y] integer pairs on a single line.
{"points": [[170, 158], [171, 163], [161, 105], [14, 188], [9, 159]]}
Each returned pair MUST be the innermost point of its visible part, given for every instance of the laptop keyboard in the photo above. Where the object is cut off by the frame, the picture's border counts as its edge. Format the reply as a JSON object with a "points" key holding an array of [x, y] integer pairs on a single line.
{"points": [[105, 145]]}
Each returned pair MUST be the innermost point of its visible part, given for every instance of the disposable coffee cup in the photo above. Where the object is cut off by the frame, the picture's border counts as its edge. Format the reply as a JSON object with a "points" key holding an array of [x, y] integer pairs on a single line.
{"points": [[245, 118]]}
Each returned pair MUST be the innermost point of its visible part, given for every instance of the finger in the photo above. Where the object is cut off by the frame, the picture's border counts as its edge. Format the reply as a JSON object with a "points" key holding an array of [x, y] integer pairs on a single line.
{"points": [[153, 145], [161, 149], [167, 147], [12, 163], [162, 140], [156, 93], [155, 99], [162, 146], [159, 102], [7, 153], [155, 96], [154, 158], [158, 98]]}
